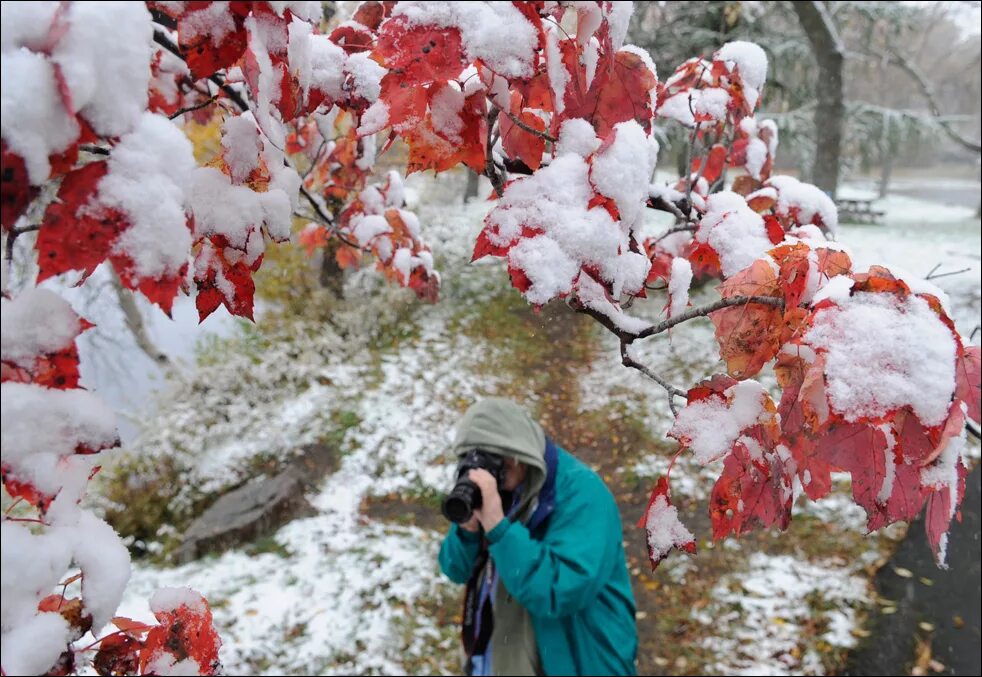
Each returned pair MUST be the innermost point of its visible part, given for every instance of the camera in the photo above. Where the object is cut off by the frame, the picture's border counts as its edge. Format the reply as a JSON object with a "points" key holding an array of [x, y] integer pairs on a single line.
{"points": [[465, 496]]}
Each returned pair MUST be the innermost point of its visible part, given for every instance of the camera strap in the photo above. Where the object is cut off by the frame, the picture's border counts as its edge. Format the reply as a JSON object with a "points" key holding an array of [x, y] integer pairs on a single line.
{"points": [[478, 617]]}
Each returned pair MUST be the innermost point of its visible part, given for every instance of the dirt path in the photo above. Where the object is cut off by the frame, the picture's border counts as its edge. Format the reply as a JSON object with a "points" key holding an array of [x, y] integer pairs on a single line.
{"points": [[541, 358]]}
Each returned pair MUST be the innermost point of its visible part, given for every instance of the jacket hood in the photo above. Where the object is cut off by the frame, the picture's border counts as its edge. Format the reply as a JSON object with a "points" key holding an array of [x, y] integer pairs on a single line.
{"points": [[501, 426]]}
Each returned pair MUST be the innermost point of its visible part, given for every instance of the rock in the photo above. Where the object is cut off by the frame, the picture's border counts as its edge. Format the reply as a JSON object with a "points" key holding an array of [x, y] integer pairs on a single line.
{"points": [[259, 507]]}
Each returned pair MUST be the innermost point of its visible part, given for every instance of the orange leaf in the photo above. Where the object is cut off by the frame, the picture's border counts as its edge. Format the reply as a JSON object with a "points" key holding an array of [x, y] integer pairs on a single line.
{"points": [[749, 335]]}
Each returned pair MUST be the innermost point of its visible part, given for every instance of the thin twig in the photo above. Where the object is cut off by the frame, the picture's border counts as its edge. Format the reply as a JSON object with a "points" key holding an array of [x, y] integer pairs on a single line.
{"points": [[521, 125], [931, 276], [13, 234], [95, 150], [973, 431], [190, 109], [661, 204], [676, 229], [317, 158], [673, 391]]}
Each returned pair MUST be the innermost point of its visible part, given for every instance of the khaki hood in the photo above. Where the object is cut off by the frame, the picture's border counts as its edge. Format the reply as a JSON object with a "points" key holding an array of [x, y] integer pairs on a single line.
{"points": [[501, 426]]}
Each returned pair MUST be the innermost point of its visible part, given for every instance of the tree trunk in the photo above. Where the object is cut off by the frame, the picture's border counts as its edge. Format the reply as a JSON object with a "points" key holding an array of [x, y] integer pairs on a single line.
{"points": [[331, 274], [134, 322], [886, 171], [830, 111], [470, 190]]}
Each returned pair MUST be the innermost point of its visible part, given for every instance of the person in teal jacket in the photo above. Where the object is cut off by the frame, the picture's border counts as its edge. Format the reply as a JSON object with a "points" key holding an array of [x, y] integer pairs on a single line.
{"points": [[548, 590]]}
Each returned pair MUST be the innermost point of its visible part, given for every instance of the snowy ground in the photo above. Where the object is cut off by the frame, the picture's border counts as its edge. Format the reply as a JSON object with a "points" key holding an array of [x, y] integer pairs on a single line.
{"points": [[338, 594]]}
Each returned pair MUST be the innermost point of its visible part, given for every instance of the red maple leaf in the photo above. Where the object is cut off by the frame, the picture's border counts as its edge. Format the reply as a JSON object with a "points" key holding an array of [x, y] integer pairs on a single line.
{"points": [[17, 191], [669, 533], [793, 274], [860, 449], [832, 262], [185, 633], [75, 234], [968, 375], [198, 46], [119, 654], [420, 54], [715, 161], [620, 91], [938, 513], [518, 143], [221, 282], [18, 488], [431, 148], [752, 492]]}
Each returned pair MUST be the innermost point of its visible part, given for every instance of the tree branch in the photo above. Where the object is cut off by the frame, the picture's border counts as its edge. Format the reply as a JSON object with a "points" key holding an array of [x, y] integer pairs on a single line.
{"points": [[490, 170], [521, 125], [13, 234], [673, 391], [134, 321], [896, 59], [190, 109], [687, 227], [161, 39], [702, 311]]}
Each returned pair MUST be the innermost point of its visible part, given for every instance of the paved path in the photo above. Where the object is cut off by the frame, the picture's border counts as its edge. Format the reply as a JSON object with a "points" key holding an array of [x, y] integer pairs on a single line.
{"points": [[951, 603]]}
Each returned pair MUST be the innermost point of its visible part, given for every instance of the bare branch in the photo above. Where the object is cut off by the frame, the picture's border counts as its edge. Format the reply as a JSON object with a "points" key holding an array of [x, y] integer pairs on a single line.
{"points": [[973, 430], [95, 150], [933, 276], [490, 170], [190, 109], [676, 229], [673, 391], [678, 210], [702, 311], [896, 59], [135, 323], [13, 234]]}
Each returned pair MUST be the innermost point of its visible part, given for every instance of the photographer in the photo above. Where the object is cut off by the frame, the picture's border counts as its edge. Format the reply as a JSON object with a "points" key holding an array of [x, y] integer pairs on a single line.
{"points": [[542, 556]]}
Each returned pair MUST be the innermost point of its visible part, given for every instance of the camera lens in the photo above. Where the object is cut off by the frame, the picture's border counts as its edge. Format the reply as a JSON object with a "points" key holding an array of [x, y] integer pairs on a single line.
{"points": [[459, 505]]}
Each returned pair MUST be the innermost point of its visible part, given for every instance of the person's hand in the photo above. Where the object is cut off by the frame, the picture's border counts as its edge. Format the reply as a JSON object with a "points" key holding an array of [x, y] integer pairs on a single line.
{"points": [[490, 512], [472, 525]]}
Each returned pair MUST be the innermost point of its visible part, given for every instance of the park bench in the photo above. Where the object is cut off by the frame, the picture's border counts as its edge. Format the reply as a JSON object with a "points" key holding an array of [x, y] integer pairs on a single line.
{"points": [[858, 210]]}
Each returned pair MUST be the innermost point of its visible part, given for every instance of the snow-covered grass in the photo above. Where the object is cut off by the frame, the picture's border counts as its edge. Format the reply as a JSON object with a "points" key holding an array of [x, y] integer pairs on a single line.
{"points": [[753, 625]]}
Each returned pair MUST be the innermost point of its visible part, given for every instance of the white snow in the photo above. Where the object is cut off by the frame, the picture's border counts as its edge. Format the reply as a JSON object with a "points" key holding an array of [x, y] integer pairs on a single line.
{"points": [[495, 32], [35, 323], [734, 231], [710, 426], [166, 600], [751, 61], [883, 353], [678, 285], [623, 170], [665, 531], [577, 136], [150, 171], [554, 200], [805, 200]]}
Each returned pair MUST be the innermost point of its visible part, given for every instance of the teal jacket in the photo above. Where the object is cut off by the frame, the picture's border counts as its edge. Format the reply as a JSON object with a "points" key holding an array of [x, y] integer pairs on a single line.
{"points": [[569, 573]]}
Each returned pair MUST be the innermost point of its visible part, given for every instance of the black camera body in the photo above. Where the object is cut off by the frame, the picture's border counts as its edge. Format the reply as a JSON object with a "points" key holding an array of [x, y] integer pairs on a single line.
{"points": [[465, 496]]}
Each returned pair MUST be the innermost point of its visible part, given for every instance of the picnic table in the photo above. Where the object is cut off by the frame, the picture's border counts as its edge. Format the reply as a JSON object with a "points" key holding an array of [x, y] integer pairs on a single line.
{"points": [[858, 210]]}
